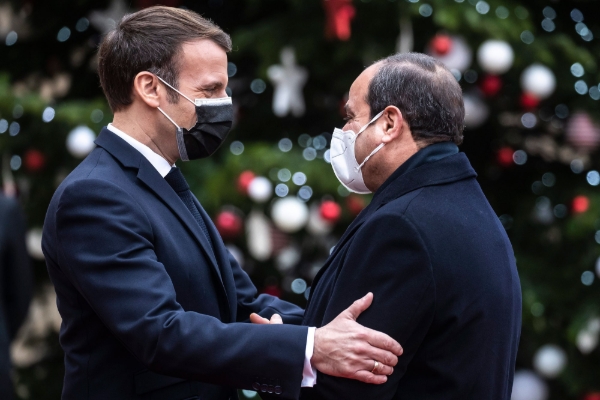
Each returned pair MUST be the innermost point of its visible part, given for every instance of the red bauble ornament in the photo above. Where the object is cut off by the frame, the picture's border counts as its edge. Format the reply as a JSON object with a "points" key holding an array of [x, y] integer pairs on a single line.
{"points": [[491, 85], [355, 204], [580, 204], [273, 290], [441, 44], [505, 156], [529, 101], [339, 15], [244, 181], [592, 396], [229, 224], [34, 160], [330, 211]]}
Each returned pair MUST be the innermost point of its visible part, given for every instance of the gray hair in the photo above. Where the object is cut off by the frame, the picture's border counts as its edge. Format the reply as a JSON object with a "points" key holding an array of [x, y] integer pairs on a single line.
{"points": [[426, 93]]}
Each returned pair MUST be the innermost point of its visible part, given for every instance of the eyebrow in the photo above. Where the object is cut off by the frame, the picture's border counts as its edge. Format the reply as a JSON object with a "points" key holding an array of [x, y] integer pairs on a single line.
{"points": [[211, 85], [348, 109]]}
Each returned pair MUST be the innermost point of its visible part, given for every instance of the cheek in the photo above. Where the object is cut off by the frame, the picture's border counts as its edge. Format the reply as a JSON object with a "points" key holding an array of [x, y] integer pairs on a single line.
{"points": [[189, 114], [360, 146], [351, 125]]}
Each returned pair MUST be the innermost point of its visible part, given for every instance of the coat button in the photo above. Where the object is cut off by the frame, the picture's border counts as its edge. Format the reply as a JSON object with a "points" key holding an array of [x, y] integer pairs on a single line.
{"points": [[256, 386], [264, 387], [278, 390]]}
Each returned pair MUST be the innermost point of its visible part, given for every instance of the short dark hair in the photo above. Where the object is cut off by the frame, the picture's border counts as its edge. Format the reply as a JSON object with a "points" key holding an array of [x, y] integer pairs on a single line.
{"points": [[150, 40], [426, 93]]}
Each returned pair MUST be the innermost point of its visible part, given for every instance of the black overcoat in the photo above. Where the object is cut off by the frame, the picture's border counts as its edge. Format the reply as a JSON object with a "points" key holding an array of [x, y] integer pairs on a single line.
{"points": [[445, 284]]}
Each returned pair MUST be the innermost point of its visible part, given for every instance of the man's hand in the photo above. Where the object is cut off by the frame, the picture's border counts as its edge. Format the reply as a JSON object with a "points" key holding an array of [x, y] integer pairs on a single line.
{"points": [[257, 319], [347, 349]]}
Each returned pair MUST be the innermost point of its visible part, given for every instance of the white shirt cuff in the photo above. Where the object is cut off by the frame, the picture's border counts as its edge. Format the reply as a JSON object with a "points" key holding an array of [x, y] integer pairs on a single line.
{"points": [[309, 374]]}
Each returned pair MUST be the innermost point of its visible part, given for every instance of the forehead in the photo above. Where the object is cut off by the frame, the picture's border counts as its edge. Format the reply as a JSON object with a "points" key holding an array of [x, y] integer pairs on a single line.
{"points": [[358, 90], [203, 59]]}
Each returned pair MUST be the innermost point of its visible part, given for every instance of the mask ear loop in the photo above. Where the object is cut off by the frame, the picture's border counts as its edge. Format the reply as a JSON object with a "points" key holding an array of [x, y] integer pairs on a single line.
{"points": [[370, 122], [179, 135], [188, 99], [169, 118], [163, 81], [376, 148], [370, 155]]}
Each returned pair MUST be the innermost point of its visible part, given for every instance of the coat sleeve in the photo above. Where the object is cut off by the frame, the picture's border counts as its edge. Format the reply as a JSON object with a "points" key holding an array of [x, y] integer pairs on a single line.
{"points": [[386, 257], [265, 305], [105, 246], [18, 272]]}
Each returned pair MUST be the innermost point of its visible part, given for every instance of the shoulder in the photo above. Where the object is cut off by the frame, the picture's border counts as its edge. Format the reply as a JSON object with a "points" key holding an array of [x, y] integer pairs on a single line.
{"points": [[94, 193], [391, 229], [98, 176]]}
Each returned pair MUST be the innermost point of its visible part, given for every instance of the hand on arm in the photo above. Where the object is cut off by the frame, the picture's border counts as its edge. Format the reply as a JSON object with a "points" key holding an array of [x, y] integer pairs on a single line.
{"points": [[346, 349]]}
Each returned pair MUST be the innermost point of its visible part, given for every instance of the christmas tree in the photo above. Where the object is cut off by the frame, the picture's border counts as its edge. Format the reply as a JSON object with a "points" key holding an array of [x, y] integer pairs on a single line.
{"points": [[529, 72]]}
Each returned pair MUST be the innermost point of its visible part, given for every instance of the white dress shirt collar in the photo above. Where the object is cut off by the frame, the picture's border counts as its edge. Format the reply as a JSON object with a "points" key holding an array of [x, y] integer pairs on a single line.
{"points": [[162, 166]]}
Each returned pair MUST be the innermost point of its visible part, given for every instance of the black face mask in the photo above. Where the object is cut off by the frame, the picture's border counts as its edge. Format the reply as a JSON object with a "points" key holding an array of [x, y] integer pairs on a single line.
{"points": [[214, 118]]}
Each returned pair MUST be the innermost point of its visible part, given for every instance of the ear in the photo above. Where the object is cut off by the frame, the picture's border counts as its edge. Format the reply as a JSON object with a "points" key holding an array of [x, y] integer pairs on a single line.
{"points": [[393, 124], [147, 89]]}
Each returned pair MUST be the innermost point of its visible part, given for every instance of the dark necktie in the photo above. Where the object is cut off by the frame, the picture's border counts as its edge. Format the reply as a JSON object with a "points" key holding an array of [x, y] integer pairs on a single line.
{"points": [[178, 183]]}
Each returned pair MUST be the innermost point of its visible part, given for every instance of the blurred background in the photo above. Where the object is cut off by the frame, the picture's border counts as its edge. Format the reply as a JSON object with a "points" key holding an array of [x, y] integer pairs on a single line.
{"points": [[529, 72]]}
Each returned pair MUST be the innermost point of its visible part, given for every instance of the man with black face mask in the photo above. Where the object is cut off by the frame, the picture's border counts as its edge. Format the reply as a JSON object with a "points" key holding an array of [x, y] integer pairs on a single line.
{"points": [[151, 299]]}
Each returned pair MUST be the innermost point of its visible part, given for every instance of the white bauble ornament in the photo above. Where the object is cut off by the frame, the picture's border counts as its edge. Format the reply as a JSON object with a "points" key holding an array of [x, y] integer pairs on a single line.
{"points": [[287, 258], [34, 243], [459, 57], [528, 386], [586, 341], [289, 214], [593, 325], [476, 111], [550, 360], [81, 141], [258, 232], [288, 79], [495, 56], [260, 189], [538, 80], [317, 225]]}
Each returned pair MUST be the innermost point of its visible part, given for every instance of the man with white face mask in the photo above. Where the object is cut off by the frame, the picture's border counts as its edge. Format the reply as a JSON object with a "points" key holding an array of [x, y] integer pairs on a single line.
{"points": [[428, 246], [152, 302]]}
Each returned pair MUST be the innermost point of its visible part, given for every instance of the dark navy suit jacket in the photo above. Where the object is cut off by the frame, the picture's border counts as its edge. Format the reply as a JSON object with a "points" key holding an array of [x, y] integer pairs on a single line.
{"points": [[148, 311], [445, 284]]}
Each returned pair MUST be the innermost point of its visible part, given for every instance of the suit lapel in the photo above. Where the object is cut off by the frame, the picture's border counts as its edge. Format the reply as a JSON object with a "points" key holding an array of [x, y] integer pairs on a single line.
{"points": [[148, 174], [222, 260], [131, 158]]}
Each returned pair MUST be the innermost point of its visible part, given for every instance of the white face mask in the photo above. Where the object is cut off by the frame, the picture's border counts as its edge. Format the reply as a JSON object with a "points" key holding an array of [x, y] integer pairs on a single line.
{"points": [[343, 158]]}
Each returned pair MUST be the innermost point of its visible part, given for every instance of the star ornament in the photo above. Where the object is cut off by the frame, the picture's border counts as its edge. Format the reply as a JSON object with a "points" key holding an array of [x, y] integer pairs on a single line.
{"points": [[339, 15], [288, 79]]}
